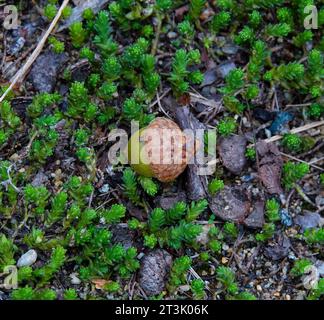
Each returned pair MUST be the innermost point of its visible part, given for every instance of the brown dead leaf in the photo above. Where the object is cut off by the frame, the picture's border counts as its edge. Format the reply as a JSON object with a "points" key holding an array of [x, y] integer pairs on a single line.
{"points": [[206, 14], [232, 152], [231, 204], [99, 283], [179, 13], [256, 217], [270, 166]]}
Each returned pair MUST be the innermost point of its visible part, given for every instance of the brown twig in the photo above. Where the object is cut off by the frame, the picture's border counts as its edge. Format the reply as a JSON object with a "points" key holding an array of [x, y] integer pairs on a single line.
{"points": [[319, 146], [157, 34], [197, 276], [297, 105], [316, 161], [4, 50], [160, 106], [22, 72], [304, 196], [160, 98]]}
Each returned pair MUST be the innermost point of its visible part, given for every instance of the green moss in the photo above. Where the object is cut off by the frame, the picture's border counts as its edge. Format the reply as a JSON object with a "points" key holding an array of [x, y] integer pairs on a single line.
{"points": [[267, 233], [300, 267], [272, 210], [67, 11], [180, 76], [215, 186], [292, 142], [197, 287], [78, 34], [50, 11], [135, 51], [226, 127], [57, 46], [250, 153], [293, 172], [230, 230]]}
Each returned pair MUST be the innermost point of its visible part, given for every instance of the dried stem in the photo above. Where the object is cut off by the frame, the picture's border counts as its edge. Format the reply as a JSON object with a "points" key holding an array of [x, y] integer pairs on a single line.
{"points": [[22, 72]]}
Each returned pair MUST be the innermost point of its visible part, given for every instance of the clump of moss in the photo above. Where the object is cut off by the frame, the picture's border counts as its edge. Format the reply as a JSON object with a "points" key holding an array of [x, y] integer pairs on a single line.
{"points": [[293, 172], [226, 127]]}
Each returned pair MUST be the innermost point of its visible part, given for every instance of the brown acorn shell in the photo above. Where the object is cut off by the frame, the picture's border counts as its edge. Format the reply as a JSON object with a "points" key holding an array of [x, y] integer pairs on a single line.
{"points": [[167, 148]]}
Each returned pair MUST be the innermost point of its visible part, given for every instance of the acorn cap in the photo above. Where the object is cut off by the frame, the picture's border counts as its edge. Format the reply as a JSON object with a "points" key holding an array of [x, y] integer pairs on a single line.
{"points": [[161, 150]]}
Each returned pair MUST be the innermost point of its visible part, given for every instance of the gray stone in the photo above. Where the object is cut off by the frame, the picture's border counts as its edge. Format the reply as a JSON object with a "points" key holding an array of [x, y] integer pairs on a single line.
{"points": [[309, 220], [319, 200], [231, 204], [232, 152], [45, 70], [122, 235], [280, 249], [74, 279], [256, 218], [40, 179], [230, 49], [172, 35], [320, 267], [27, 259], [166, 202], [225, 68], [210, 77]]}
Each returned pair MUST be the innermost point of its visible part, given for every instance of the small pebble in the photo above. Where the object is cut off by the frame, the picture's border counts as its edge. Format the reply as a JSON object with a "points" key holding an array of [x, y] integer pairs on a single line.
{"points": [[140, 255], [267, 133], [286, 219], [259, 288], [105, 188], [225, 68], [292, 256], [225, 247], [184, 288], [224, 260], [14, 157], [319, 200], [74, 279], [246, 122], [27, 259], [172, 35], [212, 270], [230, 49]]}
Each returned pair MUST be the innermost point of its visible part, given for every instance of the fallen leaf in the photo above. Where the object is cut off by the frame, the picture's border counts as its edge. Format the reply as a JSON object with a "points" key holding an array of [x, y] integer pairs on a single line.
{"points": [[309, 220], [256, 218], [231, 204], [99, 283], [232, 152], [280, 249], [179, 13], [270, 167]]}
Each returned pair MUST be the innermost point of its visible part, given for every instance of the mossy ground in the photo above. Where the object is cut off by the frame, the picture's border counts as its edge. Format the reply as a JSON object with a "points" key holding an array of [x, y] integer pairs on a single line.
{"points": [[91, 221]]}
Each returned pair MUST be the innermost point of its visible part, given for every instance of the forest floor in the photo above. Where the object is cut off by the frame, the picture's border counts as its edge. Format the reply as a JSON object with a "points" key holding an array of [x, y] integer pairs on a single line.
{"points": [[76, 226]]}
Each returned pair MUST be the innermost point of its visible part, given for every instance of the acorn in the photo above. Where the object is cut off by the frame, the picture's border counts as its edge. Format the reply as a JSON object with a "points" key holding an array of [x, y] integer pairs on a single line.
{"points": [[160, 150]]}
